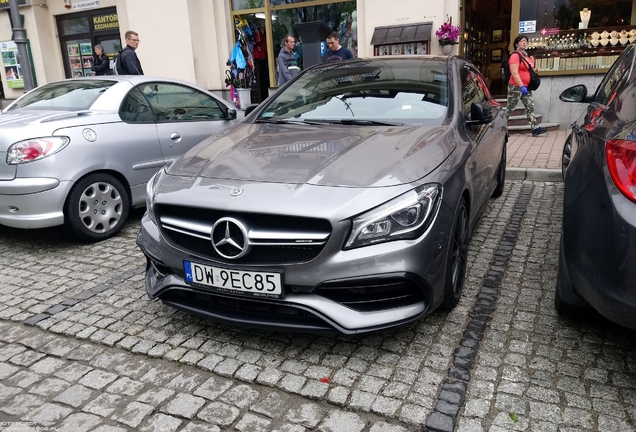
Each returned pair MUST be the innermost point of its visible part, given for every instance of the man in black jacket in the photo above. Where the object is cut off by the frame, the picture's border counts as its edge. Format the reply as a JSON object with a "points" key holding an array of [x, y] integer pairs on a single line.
{"points": [[128, 62]]}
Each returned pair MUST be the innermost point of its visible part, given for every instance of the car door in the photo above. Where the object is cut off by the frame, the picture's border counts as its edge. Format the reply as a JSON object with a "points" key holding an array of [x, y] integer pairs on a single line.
{"points": [[185, 116], [481, 137], [137, 138]]}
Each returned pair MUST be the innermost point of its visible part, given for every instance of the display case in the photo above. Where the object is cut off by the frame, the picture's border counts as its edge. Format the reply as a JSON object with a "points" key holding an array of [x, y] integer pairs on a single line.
{"points": [[580, 51]]}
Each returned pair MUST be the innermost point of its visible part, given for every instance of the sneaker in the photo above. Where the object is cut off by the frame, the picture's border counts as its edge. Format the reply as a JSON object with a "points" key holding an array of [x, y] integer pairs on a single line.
{"points": [[538, 131]]}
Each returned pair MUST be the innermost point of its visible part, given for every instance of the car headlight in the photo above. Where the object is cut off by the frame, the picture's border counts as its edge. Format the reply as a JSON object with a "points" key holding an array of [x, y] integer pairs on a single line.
{"points": [[405, 217], [35, 149]]}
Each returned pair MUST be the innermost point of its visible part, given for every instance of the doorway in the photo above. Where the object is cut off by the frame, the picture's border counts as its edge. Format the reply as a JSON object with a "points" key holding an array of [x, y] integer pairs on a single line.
{"points": [[80, 32], [487, 25]]}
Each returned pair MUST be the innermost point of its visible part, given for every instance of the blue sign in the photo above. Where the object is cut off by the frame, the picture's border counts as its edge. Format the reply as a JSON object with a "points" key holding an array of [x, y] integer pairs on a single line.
{"points": [[323, 48]]}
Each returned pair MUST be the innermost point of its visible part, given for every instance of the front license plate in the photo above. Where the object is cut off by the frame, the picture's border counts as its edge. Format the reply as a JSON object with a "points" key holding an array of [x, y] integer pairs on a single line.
{"points": [[256, 283]]}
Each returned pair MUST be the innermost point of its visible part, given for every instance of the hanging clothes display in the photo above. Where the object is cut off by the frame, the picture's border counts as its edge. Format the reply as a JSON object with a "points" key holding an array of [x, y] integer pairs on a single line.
{"points": [[242, 74]]}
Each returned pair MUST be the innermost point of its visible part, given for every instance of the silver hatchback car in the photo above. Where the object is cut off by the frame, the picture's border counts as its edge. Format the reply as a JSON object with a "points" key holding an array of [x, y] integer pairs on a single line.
{"points": [[80, 152], [343, 202]]}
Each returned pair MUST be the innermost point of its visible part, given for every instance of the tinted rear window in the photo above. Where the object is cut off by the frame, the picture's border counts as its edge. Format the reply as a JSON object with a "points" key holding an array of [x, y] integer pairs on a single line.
{"points": [[66, 95]]}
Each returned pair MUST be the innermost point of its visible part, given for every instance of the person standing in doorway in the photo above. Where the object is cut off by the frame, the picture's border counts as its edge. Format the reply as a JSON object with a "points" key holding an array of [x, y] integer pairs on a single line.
{"points": [[128, 62], [101, 63], [336, 52], [287, 62], [518, 85]]}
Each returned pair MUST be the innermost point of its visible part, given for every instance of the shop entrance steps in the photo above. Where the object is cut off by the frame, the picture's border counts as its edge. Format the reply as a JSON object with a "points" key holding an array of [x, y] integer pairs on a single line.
{"points": [[518, 122]]}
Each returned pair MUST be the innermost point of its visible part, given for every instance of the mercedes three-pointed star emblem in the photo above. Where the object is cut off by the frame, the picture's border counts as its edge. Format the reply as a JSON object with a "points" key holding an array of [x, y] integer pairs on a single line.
{"points": [[229, 238]]}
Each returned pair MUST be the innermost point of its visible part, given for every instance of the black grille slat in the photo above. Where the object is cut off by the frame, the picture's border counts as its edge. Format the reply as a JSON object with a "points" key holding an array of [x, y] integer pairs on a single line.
{"points": [[374, 296], [258, 254], [245, 308], [289, 254]]}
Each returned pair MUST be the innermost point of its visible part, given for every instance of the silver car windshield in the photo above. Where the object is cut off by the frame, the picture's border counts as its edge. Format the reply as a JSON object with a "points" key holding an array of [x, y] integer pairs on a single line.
{"points": [[409, 92], [66, 95]]}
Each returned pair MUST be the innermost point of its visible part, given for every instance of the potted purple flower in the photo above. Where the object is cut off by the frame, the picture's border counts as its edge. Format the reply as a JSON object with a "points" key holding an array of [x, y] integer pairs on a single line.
{"points": [[448, 35]]}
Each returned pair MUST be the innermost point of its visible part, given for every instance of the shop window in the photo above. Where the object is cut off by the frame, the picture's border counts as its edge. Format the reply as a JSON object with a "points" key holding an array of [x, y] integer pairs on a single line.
{"points": [[341, 17], [75, 26], [80, 57], [246, 4]]}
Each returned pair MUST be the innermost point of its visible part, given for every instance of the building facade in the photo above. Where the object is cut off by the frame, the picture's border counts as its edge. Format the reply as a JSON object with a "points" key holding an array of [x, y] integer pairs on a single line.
{"points": [[194, 40]]}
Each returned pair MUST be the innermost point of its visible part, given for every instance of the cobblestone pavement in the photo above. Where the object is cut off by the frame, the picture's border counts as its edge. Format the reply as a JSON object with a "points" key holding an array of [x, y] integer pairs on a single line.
{"points": [[98, 355]]}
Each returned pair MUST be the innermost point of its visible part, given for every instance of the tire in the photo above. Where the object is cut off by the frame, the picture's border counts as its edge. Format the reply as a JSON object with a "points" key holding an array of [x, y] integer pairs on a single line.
{"points": [[96, 208], [456, 258], [501, 174]]}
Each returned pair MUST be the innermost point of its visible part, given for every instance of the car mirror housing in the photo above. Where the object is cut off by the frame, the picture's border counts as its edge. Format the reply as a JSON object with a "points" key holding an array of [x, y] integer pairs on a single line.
{"points": [[577, 93], [480, 113], [249, 109], [231, 114]]}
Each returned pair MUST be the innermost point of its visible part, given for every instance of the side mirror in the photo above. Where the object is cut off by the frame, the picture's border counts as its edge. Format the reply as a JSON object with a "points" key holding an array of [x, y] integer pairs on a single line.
{"points": [[577, 93], [480, 113], [249, 109], [231, 114]]}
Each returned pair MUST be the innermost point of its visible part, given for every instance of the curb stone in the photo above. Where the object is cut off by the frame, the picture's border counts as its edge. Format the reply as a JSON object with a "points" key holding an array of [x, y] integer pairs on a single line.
{"points": [[534, 174]]}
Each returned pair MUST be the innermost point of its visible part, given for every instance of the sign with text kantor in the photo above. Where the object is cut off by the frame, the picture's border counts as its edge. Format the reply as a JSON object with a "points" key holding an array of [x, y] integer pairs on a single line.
{"points": [[106, 22], [85, 5]]}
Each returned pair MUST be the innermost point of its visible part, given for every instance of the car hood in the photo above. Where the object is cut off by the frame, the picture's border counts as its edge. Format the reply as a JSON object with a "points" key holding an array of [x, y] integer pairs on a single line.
{"points": [[334, 155]]}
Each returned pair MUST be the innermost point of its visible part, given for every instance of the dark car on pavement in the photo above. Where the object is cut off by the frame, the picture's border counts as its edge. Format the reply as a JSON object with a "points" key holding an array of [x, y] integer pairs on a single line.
{"points": [[343, 202], [597, 259]]}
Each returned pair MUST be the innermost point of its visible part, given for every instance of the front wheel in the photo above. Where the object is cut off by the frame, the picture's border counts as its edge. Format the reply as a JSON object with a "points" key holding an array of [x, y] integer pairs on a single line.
{"points": [[96, 208], [501, 174], [457, 258]]}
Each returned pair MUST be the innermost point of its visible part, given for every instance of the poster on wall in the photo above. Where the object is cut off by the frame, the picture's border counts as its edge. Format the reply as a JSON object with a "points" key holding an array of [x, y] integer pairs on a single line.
{"points": [[86, 49], [11, 67]]}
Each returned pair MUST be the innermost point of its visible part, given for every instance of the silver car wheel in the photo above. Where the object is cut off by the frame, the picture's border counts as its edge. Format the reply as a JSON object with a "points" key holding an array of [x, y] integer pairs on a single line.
{"points": [[100, 207]]}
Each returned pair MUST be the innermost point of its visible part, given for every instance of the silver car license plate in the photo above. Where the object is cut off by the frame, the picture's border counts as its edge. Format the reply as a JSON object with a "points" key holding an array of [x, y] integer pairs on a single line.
{"points": [[256, 283]]}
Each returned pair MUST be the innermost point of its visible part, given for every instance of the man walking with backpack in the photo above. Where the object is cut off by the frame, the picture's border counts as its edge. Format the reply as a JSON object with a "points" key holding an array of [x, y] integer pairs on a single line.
{"points": [[519, 70], [127, 62]]}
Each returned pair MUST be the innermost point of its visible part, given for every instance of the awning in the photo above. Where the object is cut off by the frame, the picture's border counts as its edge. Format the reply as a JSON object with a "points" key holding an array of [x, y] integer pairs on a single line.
{"points": [[419, 32]]}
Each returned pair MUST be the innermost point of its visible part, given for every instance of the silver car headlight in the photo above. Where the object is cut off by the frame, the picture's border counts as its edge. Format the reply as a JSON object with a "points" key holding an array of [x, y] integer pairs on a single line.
{"points": [[35, 149], [405, 217], [151, 189]]}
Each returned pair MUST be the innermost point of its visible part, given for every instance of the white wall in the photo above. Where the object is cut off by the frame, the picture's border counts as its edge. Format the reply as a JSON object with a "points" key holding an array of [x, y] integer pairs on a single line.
{"points": [[379, 13]]}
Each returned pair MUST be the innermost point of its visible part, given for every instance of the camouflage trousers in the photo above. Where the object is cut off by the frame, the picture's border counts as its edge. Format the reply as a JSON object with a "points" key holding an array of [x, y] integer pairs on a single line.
{"points": [[514, 94]]}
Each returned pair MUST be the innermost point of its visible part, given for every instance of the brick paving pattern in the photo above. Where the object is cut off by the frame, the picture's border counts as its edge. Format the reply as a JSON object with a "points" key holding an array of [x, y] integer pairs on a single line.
{"points": [[110, 359], [544, 151]]}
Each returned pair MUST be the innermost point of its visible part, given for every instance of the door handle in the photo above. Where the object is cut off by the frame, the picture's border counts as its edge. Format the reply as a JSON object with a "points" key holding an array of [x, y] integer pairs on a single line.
{"points": [[176, 137]]}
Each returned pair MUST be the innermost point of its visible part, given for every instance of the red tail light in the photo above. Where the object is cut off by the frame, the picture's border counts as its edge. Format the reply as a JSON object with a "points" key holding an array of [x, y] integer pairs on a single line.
{"points": [[621, 162]]}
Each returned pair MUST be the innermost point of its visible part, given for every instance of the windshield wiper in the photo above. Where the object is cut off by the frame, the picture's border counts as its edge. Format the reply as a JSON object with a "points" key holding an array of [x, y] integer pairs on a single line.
{"points": [[288, 121], [360, 122]]}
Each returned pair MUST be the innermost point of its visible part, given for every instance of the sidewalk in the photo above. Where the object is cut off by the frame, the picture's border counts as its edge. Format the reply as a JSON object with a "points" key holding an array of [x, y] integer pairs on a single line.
{"points": [[535, 158]]}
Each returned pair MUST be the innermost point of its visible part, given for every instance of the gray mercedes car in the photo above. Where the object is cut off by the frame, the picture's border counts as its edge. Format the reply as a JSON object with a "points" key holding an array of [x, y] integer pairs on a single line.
{"points": [[79, 152], [344, 202]]}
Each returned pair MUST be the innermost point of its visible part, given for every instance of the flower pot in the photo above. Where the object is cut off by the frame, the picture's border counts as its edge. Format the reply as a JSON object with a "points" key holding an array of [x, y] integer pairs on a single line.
{"points": [[447, 49]]}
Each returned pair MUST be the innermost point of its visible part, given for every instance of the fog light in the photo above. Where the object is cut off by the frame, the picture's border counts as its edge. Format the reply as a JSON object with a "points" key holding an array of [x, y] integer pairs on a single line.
{"points": [[13, 209]]}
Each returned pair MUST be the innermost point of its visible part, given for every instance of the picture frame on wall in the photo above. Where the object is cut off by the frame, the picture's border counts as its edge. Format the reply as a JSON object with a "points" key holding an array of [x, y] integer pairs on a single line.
{"points": [[495, 55], [497, 35]]}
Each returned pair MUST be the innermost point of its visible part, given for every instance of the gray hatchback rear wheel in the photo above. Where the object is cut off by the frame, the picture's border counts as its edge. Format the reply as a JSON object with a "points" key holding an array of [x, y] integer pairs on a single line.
{"points": [[97, 207]]}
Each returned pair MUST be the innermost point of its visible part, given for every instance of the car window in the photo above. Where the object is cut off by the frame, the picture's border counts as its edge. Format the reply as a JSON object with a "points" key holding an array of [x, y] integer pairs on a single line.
{"points": [[135, 108], [173, 102], [400, 91], [619, 73], [65, 95], [471, 89]]}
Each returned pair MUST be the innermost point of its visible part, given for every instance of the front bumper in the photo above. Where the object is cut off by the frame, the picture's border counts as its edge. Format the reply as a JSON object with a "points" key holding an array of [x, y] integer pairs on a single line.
{"points": [[33, 202], [417, 266]]}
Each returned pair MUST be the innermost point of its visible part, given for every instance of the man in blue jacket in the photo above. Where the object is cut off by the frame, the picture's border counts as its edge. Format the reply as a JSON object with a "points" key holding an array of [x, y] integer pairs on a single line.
{"points": [[128, 62], [336, 52]]}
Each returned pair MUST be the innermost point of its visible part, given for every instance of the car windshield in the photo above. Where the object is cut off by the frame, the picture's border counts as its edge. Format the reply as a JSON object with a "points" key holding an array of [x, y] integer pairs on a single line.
{"points": [[66, 95], [412, 92]]}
